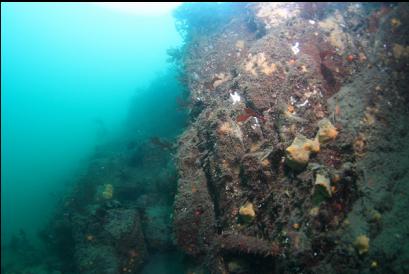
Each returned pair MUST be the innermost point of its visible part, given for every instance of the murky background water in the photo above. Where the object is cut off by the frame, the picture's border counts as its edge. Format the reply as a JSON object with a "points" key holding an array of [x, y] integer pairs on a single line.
{"points": [[71, 73]]}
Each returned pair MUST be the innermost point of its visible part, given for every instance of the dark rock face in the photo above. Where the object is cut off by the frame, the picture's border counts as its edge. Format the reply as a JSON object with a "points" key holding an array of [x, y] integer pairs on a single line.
{"points": [[117, 215], [115, 242], [308, 64]]}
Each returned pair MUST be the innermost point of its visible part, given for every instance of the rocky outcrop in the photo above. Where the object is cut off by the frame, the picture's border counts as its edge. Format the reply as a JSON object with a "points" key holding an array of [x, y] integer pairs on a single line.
{"points": [[267, 166]]}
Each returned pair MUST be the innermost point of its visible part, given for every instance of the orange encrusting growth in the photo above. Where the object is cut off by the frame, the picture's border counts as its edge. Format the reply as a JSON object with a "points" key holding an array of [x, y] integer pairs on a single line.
{"points": [[327, 132]]}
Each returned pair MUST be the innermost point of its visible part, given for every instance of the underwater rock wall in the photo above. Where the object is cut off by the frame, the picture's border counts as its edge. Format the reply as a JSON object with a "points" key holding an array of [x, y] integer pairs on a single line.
{"points": [[296, 157], [116, 215]]}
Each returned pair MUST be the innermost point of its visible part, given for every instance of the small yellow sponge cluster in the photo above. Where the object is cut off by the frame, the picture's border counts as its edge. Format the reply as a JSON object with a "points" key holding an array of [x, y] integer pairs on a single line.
{"points": [[298, 153], [327, 131], [247, 212], [362, 244], [108, 191]]}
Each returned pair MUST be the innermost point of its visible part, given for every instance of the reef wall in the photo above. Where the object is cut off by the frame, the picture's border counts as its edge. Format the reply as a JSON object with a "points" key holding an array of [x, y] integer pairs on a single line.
{"points": [[296, 158]]}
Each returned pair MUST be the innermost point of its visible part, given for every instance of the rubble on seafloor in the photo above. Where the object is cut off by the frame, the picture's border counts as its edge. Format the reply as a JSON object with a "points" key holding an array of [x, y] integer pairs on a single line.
{"points": [[293, 147]]}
